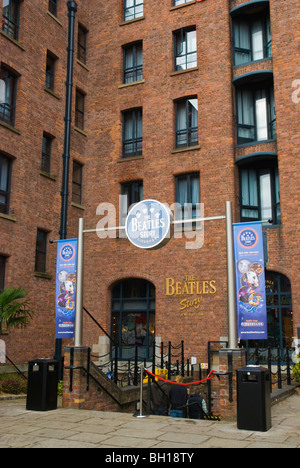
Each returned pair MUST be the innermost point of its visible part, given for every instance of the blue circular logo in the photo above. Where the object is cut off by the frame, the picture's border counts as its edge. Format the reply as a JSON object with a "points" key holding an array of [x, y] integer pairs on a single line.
{"points": [[248, 238], [148, 225], [67, 252]]}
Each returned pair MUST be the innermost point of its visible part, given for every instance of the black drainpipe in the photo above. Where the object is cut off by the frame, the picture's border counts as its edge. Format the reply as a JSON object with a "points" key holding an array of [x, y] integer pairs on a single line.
{"points": [[72, 9]]}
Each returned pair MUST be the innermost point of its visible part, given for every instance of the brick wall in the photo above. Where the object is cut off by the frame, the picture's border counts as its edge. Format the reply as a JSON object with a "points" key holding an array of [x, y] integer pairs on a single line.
{"points": [[35, 199]]}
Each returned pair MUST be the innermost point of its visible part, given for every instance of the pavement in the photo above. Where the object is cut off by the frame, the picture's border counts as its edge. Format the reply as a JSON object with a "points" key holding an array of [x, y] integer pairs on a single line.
{"points": [[73, 428]]}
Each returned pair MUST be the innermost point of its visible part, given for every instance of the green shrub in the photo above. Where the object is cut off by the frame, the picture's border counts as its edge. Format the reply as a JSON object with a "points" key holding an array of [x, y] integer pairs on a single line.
{"points": [[13, 386], [60, 388], [296, 372]]}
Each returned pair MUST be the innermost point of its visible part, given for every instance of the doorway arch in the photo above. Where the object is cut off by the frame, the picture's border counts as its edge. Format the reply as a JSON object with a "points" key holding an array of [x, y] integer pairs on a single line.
{"points": [[279, 308], [279, 313], [133, 317]]}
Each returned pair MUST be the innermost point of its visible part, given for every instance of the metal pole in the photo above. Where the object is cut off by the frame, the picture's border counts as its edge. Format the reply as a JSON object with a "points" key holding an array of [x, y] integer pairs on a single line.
{"points": [[232, 319], [72, 9], [141, 415], [79, 286]]}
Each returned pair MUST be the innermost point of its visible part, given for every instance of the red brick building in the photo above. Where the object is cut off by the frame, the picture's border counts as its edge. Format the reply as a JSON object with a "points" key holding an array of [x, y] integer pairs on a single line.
{"points": [[179, 101]]}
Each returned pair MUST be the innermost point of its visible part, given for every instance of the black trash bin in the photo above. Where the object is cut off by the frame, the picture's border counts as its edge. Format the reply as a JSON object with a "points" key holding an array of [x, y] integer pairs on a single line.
{"points": [[253, 399], [42, 385]]}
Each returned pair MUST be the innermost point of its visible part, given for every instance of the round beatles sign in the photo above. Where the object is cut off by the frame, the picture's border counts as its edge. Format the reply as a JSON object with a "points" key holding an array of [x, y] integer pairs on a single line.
{"points": [[148, 225]]}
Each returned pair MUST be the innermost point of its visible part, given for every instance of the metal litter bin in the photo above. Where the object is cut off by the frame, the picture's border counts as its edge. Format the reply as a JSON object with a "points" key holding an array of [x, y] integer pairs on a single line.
{"points": [[253, 399], [42, 385]]}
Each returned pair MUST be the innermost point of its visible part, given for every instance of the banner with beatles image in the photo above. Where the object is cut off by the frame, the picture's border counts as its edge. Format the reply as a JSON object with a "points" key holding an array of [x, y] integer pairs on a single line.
{"points": [[66, 270], [250, 281]]}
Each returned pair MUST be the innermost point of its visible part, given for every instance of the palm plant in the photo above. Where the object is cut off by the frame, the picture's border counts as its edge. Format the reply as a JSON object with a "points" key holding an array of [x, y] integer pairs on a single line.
{"points": [[14, 313]]}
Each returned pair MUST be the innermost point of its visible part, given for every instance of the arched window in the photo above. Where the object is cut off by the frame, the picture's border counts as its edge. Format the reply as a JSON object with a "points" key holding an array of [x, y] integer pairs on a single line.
{"points": [[133, 317]]}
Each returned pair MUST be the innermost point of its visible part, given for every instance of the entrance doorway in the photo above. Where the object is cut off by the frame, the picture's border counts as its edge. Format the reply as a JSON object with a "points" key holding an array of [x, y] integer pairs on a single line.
{"points": [[133, 318], [280, 313]]}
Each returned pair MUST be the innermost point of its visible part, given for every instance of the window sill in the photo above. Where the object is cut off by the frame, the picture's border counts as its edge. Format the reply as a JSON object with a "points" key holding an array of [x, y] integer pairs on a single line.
{"points": [[265, 225], [83, 65], [187, 148], [181, 72], [10, 127], [48, 176], [135, 20], [251, 63], [77, 205], [37, 274], [54, 18], [133, 83], [254, 143], [8, 217], [270, 226], [49, 91], [82, 132], [133, 158], [176, 7], [11, 39]]}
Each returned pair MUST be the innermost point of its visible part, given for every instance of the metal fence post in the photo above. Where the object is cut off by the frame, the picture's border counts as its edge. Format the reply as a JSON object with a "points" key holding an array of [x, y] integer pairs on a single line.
{"points": [[232, 318], [141, 415]]}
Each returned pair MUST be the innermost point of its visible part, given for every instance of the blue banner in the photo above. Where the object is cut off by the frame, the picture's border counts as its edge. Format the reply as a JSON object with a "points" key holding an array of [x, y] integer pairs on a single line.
{"points": [[66, 270], [250, 281]]}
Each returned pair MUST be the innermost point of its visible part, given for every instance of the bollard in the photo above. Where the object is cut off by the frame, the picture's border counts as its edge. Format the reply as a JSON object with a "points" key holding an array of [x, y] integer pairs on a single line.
{"points": [[141, 415]]}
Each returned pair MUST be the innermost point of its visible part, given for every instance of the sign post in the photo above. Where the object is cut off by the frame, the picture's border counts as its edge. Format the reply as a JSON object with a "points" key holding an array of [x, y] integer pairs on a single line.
{"points": [[232, 320], [149, 226], [79, 289]]}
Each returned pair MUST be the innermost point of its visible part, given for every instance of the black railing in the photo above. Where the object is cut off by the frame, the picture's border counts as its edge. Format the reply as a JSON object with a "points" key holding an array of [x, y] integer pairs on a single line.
{"points": [[278, 361], [16, 367]]}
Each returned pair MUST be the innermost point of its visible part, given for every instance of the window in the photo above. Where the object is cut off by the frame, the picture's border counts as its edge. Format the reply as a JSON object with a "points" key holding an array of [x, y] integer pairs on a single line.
{"points": [[133, 63], [251, 38], [5, 176], [79, 110], [132, 193], [186, 122], [185, 46], [50, 71], [188, 196], [11, 17], [8, 87], [2, 272], [77, 183], [133, 318], [46, 153], [132, 133], [41, 251], [82, 39], [133, 9], [259, 188], [53, 7], [256, 120]]}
